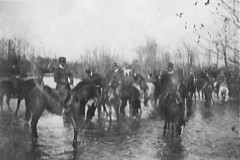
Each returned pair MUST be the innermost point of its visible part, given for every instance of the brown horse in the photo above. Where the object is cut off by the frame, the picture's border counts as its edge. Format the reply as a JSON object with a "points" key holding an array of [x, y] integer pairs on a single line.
{"points": [[80, 95], [173, 114], [43, 97], [21, 92], [131, 94], [207, 92]]}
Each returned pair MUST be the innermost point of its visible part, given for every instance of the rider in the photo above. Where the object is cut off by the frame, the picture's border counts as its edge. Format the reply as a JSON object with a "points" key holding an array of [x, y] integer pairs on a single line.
{"points": [[15, 74], [221, 78], [64, 78], [116, 76], [169, 81]]}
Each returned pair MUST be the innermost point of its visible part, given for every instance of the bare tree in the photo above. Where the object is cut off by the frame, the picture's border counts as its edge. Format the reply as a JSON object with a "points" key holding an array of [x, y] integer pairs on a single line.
{"points": [[148, 54]]}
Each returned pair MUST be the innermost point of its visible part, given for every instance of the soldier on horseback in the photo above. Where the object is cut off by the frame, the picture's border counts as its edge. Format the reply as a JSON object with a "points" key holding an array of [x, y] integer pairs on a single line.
{"points": [[169, 82], [64, 78], [221, 78], [15, 74], [116, 76]]}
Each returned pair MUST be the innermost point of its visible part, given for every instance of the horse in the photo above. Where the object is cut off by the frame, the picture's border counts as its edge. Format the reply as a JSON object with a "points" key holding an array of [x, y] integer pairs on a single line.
{"points": [[173, 114], [21, 92], [126, 92], [112, 100], [223, 92], [130, 93], [86, 90], [43, 97], [199, 86], [207, 92]]}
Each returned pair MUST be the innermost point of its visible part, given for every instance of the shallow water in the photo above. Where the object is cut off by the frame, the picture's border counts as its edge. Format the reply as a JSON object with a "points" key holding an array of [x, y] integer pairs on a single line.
{"points": [[207, 135]]}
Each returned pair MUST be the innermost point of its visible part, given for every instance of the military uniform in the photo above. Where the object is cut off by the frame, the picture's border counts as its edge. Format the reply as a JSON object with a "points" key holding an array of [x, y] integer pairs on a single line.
{"points": [[64, 78], [116, 78], [170, 81], [15, 74]]}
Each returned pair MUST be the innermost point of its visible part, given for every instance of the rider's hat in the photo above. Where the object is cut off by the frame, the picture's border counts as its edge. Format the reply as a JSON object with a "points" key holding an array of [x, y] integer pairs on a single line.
{"points": [[115, 65], [169, 65], [62, 59], [87, 71]]}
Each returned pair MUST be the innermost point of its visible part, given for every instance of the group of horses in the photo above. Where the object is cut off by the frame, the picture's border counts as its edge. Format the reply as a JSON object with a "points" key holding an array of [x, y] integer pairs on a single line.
{"points": [[209, 87], [39, 97]]}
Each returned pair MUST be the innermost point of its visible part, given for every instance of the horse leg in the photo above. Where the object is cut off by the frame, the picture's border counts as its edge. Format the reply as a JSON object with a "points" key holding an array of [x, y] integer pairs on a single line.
{"points": [[110, 114], [18, 105], [172, 128], [122, 107], [199, 95], [35, 117], [1, 102], [105, 109], [165, 127], [99, 111], [7, 101], [116, 109], [75, 123], [82, 109]]}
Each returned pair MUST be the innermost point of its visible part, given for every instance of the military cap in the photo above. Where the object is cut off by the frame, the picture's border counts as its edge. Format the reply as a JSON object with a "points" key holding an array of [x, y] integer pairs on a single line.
{"points": [[62, 59], [87, 71], [115, 65], [170, 65]]}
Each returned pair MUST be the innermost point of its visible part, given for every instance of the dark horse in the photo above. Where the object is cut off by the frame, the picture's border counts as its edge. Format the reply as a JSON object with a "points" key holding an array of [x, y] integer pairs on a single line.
{"points": [[21, 92], [173, 114], [207, 92], [130, 93], [46, 98]]}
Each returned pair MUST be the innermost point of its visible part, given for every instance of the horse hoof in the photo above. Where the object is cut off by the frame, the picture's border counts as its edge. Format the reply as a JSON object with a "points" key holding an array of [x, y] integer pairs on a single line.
{"points": [[74, 144]]}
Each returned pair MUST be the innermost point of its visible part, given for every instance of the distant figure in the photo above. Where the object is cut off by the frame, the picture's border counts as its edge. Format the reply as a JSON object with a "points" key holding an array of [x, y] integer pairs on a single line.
{"points": [[64, 78], [221, 78]]}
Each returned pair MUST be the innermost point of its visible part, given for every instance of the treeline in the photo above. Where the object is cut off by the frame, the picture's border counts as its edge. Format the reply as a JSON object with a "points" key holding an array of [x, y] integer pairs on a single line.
{"points": [[32, 63], [151, 59]]}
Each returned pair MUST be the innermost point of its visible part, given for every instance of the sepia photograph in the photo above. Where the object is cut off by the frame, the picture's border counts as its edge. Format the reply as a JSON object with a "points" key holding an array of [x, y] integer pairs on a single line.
{"points": [[119, 80]]}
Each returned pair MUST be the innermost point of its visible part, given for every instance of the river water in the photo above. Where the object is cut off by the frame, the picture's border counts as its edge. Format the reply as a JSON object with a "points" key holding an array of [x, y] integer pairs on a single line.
{"points": [[210, 133]]}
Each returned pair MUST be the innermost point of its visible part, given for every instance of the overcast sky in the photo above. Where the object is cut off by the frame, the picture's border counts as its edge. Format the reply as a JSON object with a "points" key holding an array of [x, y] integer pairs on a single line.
{"points": [[69, 27]]}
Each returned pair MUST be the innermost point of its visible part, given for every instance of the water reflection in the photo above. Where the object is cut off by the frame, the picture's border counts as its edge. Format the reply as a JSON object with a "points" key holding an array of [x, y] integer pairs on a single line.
{"points": [[170, 148], [208, 135], [207, 113]]}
